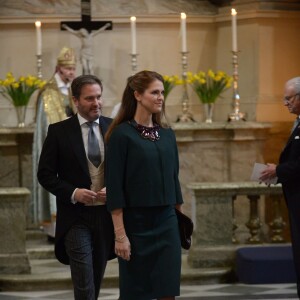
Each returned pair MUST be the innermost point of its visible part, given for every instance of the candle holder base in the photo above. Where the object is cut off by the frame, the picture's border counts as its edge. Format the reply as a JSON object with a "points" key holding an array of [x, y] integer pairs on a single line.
{"points": [[237, 116], [185, 117]]}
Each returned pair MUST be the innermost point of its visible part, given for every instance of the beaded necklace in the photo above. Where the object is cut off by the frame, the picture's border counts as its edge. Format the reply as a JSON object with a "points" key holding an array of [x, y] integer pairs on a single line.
{"points": [[150, 133]]}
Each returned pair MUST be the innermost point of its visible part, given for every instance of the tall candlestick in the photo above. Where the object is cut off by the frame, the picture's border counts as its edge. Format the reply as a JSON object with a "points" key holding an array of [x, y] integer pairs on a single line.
{"points": [[38, 25], [236, 115], [234, 35], [186, 115], [183, 32], [133, 35]]}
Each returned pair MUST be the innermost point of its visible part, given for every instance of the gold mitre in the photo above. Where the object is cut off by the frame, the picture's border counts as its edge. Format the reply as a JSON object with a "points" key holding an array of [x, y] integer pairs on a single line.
{"points": [[66, 57]]}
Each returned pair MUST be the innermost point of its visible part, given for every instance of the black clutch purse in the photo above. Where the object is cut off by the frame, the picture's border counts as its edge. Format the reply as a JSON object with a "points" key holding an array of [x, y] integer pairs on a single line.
{"points": [[186, 228]]}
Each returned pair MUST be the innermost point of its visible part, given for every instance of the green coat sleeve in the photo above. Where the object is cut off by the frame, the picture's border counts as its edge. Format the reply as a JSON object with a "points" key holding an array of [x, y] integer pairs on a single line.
{"points": [[115, 170]]}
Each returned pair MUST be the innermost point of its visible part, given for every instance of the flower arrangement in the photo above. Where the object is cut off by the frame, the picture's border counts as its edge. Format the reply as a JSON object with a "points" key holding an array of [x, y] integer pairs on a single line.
{"points": [[209, 86], [19, 91], [170, 82]]}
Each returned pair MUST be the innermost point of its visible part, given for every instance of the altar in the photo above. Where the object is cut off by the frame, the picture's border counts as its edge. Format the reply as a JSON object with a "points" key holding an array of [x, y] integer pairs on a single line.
{"points": [[218, 152]]}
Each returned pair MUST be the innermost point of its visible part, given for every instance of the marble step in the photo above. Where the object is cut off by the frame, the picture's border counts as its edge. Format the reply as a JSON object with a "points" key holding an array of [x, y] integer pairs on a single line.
{"points": [[48, 274], [40, 248], [35, 233]]}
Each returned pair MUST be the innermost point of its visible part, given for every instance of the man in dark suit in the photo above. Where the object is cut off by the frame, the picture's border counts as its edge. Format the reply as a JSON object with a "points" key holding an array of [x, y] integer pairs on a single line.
{"points": [[288, 170], [71, 167]]}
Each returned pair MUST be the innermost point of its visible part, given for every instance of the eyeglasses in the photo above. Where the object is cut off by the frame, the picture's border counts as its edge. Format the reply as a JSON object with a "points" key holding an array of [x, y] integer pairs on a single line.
{"points": [[289, 98]]}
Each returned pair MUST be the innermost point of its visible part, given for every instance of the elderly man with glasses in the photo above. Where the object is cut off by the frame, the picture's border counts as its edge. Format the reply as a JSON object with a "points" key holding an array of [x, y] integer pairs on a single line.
{"points": [[288, 170]]}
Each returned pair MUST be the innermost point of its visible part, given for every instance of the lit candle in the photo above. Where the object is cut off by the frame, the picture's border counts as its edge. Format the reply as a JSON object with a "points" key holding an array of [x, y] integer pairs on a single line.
{"points": [[234, 35], [38, 25], [133, 35], [183, 32]]}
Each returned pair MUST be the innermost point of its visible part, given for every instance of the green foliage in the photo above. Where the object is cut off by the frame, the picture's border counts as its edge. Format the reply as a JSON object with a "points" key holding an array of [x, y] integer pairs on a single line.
{"points": [[209, 86], [19, 91]]}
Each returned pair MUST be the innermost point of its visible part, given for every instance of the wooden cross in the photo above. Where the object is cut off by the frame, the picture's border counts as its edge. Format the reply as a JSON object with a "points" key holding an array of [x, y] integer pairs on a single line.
{"points": [[86, 21], [83, 30]]}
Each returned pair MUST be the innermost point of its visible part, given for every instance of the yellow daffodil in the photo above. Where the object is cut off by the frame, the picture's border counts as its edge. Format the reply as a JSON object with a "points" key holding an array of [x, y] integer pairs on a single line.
{"points": [[19, 91], [210, 85], [210, 73], [170, 82]]}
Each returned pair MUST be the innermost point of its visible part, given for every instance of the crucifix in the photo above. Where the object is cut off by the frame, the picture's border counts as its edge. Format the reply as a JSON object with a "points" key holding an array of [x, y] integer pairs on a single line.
{"points": [[85, 30]]}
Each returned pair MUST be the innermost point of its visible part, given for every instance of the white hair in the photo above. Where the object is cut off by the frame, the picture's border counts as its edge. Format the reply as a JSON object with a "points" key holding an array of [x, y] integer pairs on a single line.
{"points": [[295, 83]]}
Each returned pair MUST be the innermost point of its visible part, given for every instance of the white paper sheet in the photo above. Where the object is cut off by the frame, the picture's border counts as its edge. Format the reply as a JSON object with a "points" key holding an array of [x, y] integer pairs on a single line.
{"points": [[256, 174]]}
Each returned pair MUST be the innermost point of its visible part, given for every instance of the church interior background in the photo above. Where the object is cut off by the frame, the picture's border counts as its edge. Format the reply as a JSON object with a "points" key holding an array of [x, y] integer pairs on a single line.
{"points": [[217, 152]]}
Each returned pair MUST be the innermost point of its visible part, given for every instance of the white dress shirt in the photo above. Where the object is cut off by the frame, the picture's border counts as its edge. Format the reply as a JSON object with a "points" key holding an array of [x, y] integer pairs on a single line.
{"points": [[63, 87], [85, 132]]}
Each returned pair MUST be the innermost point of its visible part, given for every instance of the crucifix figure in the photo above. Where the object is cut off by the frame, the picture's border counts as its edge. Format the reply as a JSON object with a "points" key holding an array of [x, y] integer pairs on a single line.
{"points": [[84, 31]]}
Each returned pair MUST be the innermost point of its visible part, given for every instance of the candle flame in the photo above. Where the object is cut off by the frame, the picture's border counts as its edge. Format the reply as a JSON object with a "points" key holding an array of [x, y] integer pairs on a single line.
{"points": [[133, 19], [183, 16], [38, 24], [233, 12]]}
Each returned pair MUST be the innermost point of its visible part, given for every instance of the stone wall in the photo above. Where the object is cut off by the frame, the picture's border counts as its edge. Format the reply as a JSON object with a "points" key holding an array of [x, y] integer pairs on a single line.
{"points": [[269, 55], [266, 31]]}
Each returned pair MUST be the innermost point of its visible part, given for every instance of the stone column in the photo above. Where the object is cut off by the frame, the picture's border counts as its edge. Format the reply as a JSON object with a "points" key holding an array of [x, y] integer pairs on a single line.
{"points": [[16, 161], [13, 210], [212, 239]]}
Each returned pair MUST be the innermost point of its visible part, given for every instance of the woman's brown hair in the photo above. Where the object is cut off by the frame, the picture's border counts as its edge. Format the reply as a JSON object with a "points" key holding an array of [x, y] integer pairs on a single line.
{"points": [[138, 82]]}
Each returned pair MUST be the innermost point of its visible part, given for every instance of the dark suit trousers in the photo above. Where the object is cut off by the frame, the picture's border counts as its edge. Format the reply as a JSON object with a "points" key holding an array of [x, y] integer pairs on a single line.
{"points": [[88, 245], [294, 210]]}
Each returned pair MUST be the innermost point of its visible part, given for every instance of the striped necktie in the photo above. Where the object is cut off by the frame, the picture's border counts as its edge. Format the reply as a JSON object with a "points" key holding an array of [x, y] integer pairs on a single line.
{"points": [[94, 154]]}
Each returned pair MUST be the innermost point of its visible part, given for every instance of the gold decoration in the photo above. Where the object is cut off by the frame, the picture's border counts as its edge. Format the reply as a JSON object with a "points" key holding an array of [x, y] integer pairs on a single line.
{"points": [[66, 57]]}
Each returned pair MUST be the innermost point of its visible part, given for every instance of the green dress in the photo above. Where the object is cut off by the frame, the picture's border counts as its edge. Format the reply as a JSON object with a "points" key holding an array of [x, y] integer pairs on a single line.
{"points": [[142, 178]]}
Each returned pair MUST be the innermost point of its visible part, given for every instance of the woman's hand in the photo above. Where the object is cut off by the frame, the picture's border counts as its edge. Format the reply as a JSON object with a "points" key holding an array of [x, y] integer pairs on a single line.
{"points": [[122, 247], [122, 244]]}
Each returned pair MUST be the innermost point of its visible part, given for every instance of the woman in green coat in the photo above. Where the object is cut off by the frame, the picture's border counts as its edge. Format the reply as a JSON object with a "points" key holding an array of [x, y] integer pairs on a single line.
{"points": [[143, 191]]}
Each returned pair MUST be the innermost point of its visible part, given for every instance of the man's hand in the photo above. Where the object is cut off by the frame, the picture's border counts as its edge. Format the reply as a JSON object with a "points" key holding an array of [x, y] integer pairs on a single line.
{"points": [[85, 196], [101, 195], [268, 173]]}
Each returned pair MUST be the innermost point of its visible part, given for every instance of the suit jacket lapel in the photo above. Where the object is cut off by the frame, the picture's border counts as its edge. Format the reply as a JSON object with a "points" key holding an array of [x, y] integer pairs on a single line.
{"points": [[292, 136], [76, 142], [295, 132], [103, 125], [75, 135]]}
